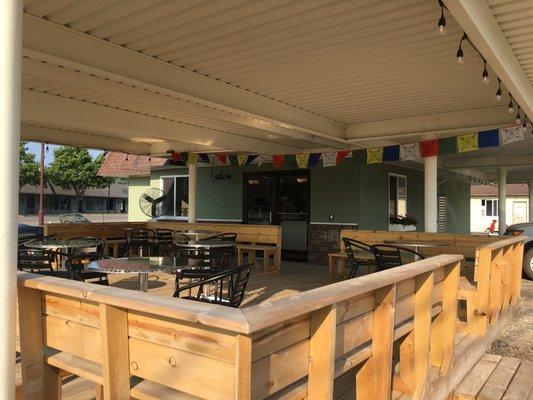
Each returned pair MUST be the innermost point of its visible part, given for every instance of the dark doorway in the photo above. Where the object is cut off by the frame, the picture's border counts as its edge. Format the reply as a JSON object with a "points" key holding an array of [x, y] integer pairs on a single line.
{"points": [[280, 198]]}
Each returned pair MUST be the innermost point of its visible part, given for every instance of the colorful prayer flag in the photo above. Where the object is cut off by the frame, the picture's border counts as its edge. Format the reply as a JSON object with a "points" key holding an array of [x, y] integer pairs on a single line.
{"points": [[374, 156], [204, 157], [233, 160], [512, 134], [242, 158], [223, 158], [409, 151], [391, 153], [448, 145], [488, 138], [250, 159], [341, 155], [429, 148], [329, 159], [301, 160], [313, 159], [467, 142], [277, 160], [193, 158]]}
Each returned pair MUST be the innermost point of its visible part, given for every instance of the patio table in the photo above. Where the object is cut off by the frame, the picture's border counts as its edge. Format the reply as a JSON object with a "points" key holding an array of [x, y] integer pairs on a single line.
{"points": [[142, 266], [416, 245], [207, 244], [70, 245]]}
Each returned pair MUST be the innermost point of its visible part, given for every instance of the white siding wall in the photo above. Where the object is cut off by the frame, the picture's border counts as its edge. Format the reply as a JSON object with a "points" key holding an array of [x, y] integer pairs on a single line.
{"points": [[479, 222]]}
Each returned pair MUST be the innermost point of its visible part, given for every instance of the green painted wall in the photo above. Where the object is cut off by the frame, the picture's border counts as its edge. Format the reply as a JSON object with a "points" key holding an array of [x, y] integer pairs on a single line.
{"points": [[352, 192], [457, 190], [136, 186]]}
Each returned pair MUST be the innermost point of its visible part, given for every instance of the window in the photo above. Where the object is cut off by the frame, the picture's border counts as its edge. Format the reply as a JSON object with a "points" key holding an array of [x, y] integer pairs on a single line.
{"points": [[177, 189], [397, 195], [489, 208]]}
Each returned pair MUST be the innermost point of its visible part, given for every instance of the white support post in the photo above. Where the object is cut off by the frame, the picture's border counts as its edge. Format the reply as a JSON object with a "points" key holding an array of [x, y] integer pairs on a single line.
{"points": [[10, 76], [430, 194], [502, 199], [530, 199], [193, 169]]}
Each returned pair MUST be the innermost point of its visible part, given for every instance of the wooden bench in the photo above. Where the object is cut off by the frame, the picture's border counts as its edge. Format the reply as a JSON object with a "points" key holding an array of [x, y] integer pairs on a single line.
{"points": [[265, 239]]}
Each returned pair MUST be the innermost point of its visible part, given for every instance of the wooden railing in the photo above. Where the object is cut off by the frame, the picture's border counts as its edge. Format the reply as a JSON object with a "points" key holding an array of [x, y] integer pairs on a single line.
{"points": [[394, 329]]}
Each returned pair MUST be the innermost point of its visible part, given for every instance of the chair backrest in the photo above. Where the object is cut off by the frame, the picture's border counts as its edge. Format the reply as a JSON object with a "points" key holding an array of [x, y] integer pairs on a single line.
{"points": [[76, 264], [238, 283], [390, 256], [351, 245], [164, 237], [139, 237], [229, 236], [39, 261]]}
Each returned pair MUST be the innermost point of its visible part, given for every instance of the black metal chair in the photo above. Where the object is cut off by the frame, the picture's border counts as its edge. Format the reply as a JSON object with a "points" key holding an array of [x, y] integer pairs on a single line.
{"points": [[139, 241], [165, 245], [75, 266], [390, 256], [230, 237], [352, 247], [39, 261], [225, 288]]}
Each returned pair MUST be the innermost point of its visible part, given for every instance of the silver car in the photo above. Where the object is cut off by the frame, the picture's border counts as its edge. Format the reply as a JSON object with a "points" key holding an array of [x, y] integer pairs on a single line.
{"points": [[525, 229]]}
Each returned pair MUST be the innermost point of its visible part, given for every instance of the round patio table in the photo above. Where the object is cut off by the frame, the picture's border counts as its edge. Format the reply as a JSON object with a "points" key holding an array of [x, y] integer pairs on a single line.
{"points": [[206, 244], [64, 244], [142, 266]]}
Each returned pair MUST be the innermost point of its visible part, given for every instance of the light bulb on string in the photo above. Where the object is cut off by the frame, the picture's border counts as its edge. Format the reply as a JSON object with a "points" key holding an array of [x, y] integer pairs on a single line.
{"points": [[499, 91], [47, 148], [518, 118], [460, 53], [485, 74], [127, 156], [441, 24], [510, 106]]}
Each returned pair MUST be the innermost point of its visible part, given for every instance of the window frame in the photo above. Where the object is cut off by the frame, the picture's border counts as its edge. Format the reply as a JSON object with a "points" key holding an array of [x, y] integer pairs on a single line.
{"points": [[161, 186]]}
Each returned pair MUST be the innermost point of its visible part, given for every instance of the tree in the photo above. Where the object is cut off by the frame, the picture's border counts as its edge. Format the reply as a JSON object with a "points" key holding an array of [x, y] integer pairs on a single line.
{"points": [[75, 169], [28, 167]]}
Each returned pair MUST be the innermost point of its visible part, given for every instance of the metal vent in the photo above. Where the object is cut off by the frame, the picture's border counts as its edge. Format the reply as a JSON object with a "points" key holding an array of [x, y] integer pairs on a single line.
{"points": [[442, 201]]}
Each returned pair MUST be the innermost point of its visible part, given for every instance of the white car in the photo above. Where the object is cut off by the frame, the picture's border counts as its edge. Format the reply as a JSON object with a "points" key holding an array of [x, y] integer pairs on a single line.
{"points": [[525, 229]]}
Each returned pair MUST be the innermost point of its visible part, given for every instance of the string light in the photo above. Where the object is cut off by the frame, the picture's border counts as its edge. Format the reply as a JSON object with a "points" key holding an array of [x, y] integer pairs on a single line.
{"points": [[518, 119], [441, 24], [47, 147], [460, 54], [499, 91], [485, 74], [127, 156], [510, 107]]}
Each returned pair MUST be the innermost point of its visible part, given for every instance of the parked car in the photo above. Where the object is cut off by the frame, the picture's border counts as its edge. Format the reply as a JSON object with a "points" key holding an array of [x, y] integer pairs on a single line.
{"points": [[72, 218], [525, 229], [29, 232]]}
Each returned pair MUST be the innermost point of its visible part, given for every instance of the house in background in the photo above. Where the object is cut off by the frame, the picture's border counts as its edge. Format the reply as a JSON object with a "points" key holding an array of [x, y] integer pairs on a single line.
{"points": [[311, 204], [484, 205], [112, 199]]}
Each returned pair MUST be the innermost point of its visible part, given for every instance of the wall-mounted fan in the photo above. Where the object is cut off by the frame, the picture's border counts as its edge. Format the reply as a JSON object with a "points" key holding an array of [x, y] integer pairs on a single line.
{"points": [[154, 203]]}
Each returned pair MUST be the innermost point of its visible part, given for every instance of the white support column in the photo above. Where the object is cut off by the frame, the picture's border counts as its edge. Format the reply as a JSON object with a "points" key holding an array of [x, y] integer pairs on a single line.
{"points": [[10, 75], [502, 197], [430, 194], [530, 199], [193, 169]]}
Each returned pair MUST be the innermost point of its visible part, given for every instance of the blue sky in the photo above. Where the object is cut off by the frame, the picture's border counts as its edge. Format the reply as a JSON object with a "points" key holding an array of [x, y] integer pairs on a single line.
{"points": [[35, 148]]}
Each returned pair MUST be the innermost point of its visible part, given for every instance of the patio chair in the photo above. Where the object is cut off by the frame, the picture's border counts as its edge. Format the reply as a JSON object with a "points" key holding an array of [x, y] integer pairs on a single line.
{"points": [[139, 241], [75, 265], [390, 256], [226, 288], [39, 261], [352, 247], [165, 245]]}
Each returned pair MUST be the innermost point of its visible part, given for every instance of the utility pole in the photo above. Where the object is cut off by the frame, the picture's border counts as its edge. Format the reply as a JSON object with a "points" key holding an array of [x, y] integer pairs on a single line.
{"points": [[41, 188]]}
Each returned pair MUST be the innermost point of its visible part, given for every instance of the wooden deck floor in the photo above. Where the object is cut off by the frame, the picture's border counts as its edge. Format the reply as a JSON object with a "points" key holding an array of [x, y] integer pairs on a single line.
{"points": [[497, 378]]}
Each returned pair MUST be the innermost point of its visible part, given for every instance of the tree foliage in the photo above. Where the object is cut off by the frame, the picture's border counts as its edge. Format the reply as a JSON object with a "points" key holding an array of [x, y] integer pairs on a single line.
{"points": [[28, 167], [75, 169]]}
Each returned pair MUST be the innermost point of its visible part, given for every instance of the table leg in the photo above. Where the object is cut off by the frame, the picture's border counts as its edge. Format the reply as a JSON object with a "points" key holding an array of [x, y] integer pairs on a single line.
{"points": [[143, 282], [415, 248]]}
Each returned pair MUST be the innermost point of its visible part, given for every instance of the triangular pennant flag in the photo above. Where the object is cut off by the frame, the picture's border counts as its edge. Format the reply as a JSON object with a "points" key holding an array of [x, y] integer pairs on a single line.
{"points": [[391, 153], [329, 159], [233, 160], [241, 158], [409, 152], [277, 160], [488, 138], [204, 157], [212, 158], [260, 160], [467, 142], [223, 158], [313, 159], [341, 155], [301, 160], [250, 159], [429, 148], [448, 145], [193, 158], [374, 156], [512, 134]]}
